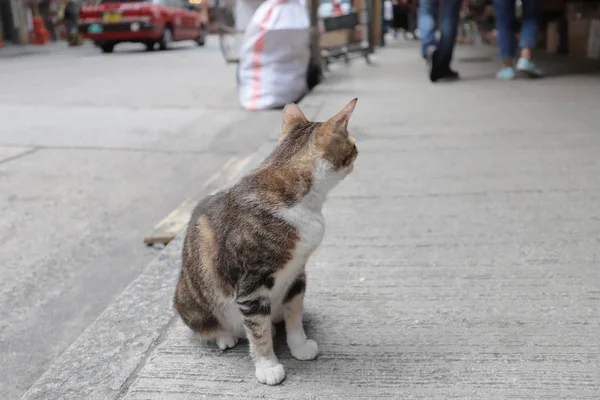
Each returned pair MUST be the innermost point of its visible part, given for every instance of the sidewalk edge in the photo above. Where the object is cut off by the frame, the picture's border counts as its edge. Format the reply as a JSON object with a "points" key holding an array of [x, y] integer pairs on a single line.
{"points": [[104, 360]]}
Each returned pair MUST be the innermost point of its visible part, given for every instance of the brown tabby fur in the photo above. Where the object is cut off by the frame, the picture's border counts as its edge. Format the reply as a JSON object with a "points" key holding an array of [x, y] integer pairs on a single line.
{"points": [[239, 242]]}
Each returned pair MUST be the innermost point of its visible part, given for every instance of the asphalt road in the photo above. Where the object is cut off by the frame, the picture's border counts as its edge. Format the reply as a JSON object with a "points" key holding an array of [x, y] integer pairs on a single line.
{"points": [[94, 150]]}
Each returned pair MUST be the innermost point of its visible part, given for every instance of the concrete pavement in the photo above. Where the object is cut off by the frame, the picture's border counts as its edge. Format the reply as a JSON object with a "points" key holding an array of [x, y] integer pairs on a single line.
{"points": [[460, 260], [10, 50], [95, 150]]}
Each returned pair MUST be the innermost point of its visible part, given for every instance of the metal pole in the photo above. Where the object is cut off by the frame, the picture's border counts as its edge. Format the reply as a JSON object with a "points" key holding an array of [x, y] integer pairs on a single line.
{"points": [[382, 24], [315, 50], [370, 26]]}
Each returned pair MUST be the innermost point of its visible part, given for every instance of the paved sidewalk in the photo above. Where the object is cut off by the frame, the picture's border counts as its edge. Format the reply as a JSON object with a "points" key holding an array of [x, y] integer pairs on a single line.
{"points": [[460, 260]]}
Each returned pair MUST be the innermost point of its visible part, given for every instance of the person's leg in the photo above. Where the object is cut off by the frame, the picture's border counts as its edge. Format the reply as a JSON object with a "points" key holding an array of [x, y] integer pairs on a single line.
{"points": [[412, 24], [505, 23], [426, 20], [449, 28], [68, 28], [528, 41], [529, 27]]}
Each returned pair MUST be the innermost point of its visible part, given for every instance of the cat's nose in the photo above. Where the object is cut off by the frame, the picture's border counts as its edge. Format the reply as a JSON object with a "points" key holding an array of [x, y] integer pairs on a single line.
{"points": [[354, 152]]}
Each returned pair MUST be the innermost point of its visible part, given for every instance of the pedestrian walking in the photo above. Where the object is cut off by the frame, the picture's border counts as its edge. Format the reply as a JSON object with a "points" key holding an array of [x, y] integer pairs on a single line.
{"points": [[388, 15], [505, 23], [439, 54], [402, 10], [412, 17], [47, 13], [69, 16]]}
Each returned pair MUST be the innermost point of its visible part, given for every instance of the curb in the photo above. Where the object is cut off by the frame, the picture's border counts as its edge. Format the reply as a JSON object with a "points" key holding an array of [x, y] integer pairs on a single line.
{"points": [[104, 360]]}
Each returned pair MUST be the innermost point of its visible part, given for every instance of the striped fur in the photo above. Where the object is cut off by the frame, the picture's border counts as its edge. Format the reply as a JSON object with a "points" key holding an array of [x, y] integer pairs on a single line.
{"points": [[246, 247]]}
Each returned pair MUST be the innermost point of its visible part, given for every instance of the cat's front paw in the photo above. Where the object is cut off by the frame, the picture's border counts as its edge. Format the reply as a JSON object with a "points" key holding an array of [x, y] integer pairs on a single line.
{"points": [[271, 375], [305, 351]]}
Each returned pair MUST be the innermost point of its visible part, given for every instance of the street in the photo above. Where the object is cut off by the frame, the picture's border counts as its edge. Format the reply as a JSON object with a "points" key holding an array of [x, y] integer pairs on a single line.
{"points": [[460, 258], [94, 150]]}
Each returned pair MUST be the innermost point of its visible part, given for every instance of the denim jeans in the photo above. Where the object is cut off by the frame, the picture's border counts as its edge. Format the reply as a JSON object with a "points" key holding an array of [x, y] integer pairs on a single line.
{"points": [[506, 21], [69, 26], [389, 26], [428, 10]]}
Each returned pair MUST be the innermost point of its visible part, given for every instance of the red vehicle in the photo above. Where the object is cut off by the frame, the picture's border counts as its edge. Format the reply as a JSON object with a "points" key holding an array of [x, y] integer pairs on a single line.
{"points": [[149, 22]]}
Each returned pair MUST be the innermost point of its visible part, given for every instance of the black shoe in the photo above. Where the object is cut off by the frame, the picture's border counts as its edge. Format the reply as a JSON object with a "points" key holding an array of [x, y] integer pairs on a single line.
{"points": [[437, 72], [449, 75]]}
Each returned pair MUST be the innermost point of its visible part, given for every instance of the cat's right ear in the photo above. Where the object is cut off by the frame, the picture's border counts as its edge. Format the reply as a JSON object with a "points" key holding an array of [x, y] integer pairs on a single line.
{"points": [[292, 115], [343, 117]]}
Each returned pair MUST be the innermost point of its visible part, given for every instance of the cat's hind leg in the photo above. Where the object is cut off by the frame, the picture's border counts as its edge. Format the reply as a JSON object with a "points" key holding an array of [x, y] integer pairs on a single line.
{"points": [[224, 339], [191, 307], [227, 341], [225, 336], [203, 322]]}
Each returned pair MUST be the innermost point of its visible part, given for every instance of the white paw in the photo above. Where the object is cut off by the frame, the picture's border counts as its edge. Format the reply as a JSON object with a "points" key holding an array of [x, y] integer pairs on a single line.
{"points": [[305, 351], [270, 376], [227, 342]]}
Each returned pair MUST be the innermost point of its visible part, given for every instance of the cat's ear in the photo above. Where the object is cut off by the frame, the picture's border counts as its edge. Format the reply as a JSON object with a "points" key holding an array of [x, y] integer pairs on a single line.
{"points": [[292, 114], [342, 118]]}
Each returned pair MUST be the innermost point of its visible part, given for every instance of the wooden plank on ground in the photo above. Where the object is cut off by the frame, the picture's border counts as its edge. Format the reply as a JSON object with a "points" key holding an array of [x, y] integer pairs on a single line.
{"points": [[174, 222]]}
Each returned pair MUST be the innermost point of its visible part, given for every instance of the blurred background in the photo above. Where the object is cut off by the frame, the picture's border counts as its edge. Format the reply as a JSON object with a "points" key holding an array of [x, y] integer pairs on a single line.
{"points": [[111, 128]]}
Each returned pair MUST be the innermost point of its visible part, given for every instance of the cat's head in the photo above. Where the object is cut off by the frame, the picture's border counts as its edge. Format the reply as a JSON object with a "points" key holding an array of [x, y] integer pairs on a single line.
{"points": [[327, 147]]}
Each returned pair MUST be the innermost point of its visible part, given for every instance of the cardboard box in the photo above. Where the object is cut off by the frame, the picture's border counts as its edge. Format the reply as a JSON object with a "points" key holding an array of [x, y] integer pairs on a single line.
{"points": [[584, 38], [583, 9], [356, 35], [334, 38], [552, 37], [579, 31]]}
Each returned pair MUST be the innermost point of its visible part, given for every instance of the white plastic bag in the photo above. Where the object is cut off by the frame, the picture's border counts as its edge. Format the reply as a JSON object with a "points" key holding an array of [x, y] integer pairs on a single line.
{"points": [[274, 56]]}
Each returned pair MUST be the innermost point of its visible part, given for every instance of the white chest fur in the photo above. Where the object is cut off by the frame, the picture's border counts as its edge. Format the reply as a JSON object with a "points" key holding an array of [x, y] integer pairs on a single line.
{"points": [[307, 218], [311, 227]]}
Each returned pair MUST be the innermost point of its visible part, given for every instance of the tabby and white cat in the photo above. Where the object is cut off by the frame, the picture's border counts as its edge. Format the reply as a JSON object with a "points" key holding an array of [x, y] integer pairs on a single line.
{"points": [[246, 247]]}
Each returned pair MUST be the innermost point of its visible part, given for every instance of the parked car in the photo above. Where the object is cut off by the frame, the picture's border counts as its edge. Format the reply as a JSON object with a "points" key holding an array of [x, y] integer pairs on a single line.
{"points": [[150, 22]]}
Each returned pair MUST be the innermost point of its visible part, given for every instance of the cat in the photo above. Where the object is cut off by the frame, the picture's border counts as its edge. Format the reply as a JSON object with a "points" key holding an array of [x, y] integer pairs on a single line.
{"points": [[246, 247]]}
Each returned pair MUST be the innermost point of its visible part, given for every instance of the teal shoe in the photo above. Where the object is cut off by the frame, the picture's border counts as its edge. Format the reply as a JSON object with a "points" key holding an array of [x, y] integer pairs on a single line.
{"points": [[528, 68], [506, 74]]}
